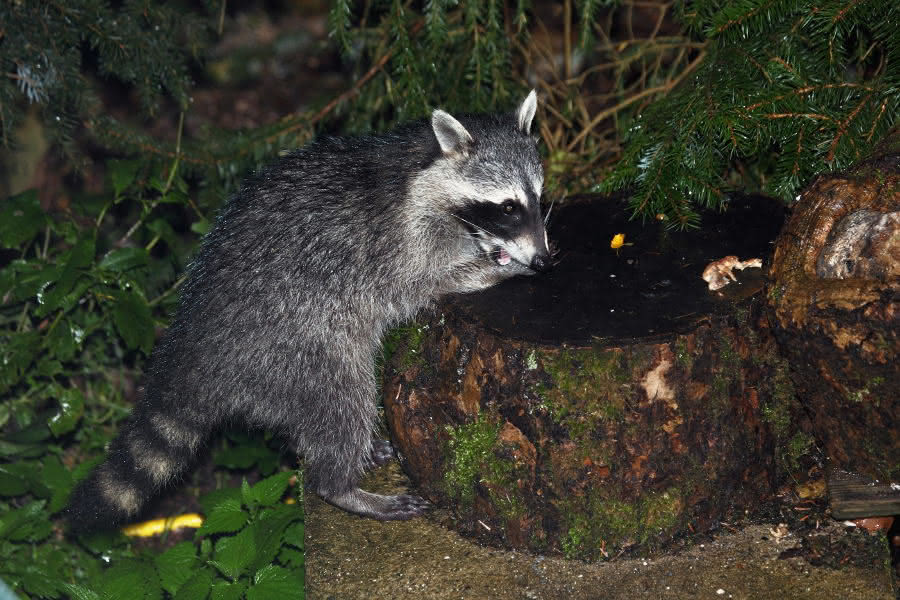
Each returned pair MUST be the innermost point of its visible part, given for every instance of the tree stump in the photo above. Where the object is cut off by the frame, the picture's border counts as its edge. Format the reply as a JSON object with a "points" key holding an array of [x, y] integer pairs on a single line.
{"points": [[835, 297], [611, 404]]}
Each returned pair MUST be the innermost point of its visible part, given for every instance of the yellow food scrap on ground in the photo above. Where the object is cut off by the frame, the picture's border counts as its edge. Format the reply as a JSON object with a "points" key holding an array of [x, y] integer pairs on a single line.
{"points": [[157, 526], [618, 241]]}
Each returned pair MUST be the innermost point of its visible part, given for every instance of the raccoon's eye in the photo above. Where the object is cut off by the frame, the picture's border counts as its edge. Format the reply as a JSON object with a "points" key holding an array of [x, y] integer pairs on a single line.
{"points": [[509, 207]]}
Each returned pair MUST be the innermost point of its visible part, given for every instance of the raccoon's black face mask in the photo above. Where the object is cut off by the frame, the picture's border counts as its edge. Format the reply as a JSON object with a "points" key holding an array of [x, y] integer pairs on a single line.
{"points": [[509, 232]]}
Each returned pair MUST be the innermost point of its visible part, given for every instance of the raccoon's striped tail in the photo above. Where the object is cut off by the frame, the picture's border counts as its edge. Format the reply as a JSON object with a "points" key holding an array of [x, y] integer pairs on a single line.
{"points": [[151, 449]]}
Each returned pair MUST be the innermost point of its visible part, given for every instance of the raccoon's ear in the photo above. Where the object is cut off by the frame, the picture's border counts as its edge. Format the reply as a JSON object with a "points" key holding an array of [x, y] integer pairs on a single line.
{"points": [[451, 135], [526, 112]]}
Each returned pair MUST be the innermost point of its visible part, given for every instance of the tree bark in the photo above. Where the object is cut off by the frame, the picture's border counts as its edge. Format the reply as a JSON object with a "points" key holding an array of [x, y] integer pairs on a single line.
{"points": [[611, 405], [835, 297]]}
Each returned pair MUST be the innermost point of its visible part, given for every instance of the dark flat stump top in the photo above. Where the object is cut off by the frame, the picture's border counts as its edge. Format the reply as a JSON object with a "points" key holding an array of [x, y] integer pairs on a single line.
{"points": [[649, 289]]}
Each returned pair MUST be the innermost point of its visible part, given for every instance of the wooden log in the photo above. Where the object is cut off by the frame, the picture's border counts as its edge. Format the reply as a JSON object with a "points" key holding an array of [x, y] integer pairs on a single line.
{"points": [[612, 404], [835, 297]]}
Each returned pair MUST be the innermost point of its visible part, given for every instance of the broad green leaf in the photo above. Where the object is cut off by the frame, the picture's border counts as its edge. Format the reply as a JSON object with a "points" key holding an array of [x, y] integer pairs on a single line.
{"points": [[63, 340], [63, 293], [209, 500], [273, 582], [197, 587], [246, 495], [200, 227], [13, 482], [130, 578], [38, 583], [79, 592], [294, 535], [270, 490], [268, 532], [223, 590], [291, 557], [235, 553], [71, 407], [122, 173], [21, 218], [58, 479], [16, 355], [253, 454], [122, 259], [176, 565], [8, 448], [35, 432], [28, 523], [133, 320], [162, 228], [227, 516], [27, 278]]}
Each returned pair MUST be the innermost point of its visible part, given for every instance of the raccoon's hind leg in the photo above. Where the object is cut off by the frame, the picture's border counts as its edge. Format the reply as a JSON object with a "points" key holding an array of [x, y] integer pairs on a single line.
{"points": [[151, 449], [340, 448]]}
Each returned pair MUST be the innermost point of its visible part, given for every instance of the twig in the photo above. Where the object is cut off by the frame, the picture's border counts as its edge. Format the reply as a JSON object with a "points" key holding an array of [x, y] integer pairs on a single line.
{"points": [[171, 289], [603, 115]]}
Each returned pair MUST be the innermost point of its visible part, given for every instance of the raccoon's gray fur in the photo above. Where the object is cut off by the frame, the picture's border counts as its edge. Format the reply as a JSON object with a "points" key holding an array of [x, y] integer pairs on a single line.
{"points": [[304, 271]]}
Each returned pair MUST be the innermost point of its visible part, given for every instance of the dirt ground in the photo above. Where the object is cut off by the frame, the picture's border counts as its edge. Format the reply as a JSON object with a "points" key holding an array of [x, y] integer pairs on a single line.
{"points": [[348, 558]]}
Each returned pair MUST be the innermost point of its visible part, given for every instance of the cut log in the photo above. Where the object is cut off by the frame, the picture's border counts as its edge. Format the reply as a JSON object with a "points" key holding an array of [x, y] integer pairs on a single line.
{"points": [[613, 403], [835, 297]]}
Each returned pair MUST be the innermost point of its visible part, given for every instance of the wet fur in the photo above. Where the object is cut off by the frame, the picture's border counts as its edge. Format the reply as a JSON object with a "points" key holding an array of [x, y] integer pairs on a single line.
{"points": [[289, 296]]}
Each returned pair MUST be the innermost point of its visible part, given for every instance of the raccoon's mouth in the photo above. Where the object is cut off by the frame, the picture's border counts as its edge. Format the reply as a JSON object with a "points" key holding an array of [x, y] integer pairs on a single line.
{"points": [[501, 256]]}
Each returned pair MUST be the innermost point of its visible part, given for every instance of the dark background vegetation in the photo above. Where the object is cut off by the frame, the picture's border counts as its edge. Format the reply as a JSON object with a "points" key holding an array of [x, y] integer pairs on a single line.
{"points": [[125, 124]]}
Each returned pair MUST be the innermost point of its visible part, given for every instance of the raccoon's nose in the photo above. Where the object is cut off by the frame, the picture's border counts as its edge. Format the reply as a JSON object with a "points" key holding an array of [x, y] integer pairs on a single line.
{"points": [[541, 262]]}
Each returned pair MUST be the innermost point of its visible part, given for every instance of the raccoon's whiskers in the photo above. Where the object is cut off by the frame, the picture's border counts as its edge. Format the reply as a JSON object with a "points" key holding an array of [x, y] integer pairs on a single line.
{"points": [[477, 228], [549, 210]]}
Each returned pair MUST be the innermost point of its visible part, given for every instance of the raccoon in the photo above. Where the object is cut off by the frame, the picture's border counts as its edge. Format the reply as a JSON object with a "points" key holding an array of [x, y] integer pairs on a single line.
{"points": [[304, 270]]}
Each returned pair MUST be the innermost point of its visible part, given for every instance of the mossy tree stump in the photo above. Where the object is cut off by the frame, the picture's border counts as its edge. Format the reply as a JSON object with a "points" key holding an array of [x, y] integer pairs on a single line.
{"points": [[613, 403], [835, 297]]}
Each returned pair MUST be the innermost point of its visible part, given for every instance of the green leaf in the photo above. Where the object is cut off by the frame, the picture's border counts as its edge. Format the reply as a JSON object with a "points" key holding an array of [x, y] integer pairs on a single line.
{"points": [[28, 523], [227, 516], [71, 407], [12, 481], [122, 173], [133, 320], [273, 582], [162, 228], [197, 587], [79, 592], [39, 583], [209, 500], [268, 533], [223, 590], [200, 227], [176, 565], [64, 292], [235, 553], [123, 259], [63, 340], [252, 454], [130, 578], [58, 479], [292, 557], [21, 218], [270, 490], [295, 535], [246, 495]]}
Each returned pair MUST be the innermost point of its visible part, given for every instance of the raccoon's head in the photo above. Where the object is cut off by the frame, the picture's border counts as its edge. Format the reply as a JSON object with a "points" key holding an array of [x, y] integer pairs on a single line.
{"points": [[491, 181]]}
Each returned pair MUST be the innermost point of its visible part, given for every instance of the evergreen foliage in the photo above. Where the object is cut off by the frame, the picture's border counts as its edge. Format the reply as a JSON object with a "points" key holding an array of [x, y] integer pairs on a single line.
{"points": [[787, 89], [146, 45]]}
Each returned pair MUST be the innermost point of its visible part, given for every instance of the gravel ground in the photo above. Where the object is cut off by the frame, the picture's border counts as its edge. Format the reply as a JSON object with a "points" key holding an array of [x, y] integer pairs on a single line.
{"points": [[348, 558]]}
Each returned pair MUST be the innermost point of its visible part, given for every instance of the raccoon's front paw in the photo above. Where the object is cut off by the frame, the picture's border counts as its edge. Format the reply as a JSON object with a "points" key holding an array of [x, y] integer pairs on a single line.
{"points": [[382, 452]]}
